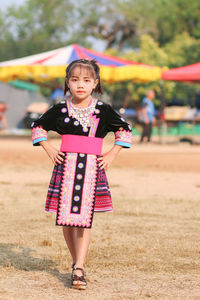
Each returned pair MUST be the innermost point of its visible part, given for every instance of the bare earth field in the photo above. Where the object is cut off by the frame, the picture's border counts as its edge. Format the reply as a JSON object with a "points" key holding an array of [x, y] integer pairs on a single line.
{"points": [[148, 248]]}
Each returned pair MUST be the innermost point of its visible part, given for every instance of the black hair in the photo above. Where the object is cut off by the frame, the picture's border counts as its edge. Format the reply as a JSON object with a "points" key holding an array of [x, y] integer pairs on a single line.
{"points": [[91, 65]]}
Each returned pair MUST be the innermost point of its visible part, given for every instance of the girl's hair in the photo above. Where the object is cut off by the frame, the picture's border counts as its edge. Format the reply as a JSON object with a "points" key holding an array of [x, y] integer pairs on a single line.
{"points": [[91, 66]]}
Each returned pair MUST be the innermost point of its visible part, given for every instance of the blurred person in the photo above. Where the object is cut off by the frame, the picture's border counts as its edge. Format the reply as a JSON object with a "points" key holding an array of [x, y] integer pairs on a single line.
{"points": [[147, 115], [57, 94], [3, 109], [79, 185]]}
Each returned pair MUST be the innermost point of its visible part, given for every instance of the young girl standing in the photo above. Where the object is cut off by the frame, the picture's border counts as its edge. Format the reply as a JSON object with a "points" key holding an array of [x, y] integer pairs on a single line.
{"points": [[78, 185]]}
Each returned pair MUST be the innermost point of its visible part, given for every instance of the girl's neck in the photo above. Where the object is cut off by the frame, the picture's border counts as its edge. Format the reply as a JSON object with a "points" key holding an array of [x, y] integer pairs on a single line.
{"points": [[81, 103]]}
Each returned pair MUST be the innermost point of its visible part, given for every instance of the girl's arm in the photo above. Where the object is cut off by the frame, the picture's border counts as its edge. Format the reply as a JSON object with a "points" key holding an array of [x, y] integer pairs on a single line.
{"points": [[55, 155], [106, 159], [39, 131], [123, 136]]}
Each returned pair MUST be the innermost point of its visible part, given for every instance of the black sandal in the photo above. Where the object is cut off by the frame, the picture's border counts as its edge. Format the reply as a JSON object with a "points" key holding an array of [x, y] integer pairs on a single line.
{"points": [[72, 272], [82, 278]]}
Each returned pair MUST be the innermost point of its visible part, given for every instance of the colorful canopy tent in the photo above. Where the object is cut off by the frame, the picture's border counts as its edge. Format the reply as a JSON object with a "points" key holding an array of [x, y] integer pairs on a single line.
{"points": [[189, 73], [50, 65]]}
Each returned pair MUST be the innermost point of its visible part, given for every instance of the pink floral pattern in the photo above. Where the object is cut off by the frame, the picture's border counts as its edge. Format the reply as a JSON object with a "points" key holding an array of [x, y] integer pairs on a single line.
{"points": [[84, 218], [123, 136], [38, 132], [93, 124]]}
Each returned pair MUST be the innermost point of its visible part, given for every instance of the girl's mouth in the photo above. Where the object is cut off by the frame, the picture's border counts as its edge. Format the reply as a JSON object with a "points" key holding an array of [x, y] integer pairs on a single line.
{"points": [[80, 92]]}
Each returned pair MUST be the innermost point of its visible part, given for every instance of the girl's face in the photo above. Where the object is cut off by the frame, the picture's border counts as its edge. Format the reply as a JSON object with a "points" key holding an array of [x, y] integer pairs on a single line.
{"points": [[81, 83]]}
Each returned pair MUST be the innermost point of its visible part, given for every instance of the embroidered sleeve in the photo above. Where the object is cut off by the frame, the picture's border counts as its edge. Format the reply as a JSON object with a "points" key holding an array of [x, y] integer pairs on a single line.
{"points": [[38, 134], [121, 129], [123, 138], [40, 127]]}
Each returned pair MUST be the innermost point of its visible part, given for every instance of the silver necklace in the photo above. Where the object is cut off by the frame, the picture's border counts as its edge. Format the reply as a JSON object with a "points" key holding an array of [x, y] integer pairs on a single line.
{"points": [[82, 114]]}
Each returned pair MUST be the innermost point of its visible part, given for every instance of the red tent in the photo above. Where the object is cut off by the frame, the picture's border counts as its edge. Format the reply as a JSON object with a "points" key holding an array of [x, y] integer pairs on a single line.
{"points": [[189, 73]]}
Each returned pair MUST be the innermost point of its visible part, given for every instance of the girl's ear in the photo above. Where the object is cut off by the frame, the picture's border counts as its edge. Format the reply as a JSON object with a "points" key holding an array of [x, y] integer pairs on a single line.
{"points": [[66, 81], [96, 83], [66, 88]]}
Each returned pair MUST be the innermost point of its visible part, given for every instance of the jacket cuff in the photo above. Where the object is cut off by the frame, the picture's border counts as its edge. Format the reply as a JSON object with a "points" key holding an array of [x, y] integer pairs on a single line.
{"points": [[123, 144]]}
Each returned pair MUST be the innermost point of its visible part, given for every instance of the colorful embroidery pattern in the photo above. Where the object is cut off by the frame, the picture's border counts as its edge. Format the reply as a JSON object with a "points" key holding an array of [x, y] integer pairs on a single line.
{"points": [[76, 205], [63, 214], [54, 189], [38, 133], [84, 116], [88, 196], [103, 200], [78, 183], [123, 136], [78, 187], [93, 124]]}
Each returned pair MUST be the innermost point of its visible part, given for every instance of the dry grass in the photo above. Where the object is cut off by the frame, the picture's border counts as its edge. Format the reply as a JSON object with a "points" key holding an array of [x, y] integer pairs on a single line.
{"points": [[147, 249]]}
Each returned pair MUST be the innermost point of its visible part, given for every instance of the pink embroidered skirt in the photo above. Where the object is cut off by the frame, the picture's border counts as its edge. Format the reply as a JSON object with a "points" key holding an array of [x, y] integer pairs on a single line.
{"points": [[78, 188]]}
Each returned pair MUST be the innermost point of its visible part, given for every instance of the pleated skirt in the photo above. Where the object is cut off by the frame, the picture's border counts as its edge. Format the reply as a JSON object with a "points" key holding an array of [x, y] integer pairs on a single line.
{"points": [[77, 189]]}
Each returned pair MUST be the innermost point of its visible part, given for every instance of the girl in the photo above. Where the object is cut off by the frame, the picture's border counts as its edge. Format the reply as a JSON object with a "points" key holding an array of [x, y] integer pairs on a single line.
{"points": [[78, 185]]}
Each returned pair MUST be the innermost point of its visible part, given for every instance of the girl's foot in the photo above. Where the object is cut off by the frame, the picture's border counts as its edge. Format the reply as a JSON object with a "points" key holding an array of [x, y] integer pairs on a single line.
{"points": [[73, 265], [72, 272], [78, 279]]}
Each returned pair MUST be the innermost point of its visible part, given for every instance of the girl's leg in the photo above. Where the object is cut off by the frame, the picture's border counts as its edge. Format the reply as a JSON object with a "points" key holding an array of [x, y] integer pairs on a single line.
{"points": [[77, 240], [70, 235], [82, 245]]}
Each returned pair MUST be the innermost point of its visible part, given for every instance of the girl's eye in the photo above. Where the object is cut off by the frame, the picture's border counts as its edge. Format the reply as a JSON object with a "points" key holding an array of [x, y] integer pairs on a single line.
{"points": [[87, 80]]}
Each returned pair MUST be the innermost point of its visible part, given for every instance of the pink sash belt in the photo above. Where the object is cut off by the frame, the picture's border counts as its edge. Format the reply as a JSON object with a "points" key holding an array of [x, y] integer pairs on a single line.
{"points": [[81, 144]]}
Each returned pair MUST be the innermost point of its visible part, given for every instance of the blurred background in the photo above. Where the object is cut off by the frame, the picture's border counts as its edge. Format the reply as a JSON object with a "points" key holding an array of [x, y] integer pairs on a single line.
{"points": [[154, 33], [149, 53]]}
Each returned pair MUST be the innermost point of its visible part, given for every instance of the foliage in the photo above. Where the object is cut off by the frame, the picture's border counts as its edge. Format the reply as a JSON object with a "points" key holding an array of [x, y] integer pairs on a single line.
{"points": [[149, 53], [155, 32], [36, 26], [121, 23], [175, 17], [172, 55], [182, 50]]}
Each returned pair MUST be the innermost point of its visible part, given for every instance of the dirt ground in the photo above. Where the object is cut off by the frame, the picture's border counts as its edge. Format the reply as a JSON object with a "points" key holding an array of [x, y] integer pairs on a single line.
{"points": [[148, 248]]}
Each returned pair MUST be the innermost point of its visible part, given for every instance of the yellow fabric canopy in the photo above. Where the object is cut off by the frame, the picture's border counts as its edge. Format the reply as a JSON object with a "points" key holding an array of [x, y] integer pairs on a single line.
{"points": [[49, 65], [135, 73]]}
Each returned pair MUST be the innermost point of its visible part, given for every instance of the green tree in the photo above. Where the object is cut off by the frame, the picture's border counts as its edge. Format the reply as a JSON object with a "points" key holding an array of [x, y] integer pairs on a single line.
{"points": [[36, 26], [175, 17], [182, 50], [149, 53], [121, 23], [155, 32], [177, 53]]}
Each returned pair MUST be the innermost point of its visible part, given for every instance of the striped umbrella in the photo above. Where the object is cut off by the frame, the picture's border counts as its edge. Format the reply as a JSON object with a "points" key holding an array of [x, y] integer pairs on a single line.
{"points": [[50, 65]]}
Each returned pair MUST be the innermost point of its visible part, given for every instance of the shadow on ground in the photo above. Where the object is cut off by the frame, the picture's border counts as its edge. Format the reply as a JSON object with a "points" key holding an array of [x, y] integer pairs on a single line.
{"points": [[21, 258]]}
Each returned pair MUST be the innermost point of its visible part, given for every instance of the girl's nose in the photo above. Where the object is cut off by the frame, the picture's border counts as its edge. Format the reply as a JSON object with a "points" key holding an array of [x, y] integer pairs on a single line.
{"points": [[80, 84]]}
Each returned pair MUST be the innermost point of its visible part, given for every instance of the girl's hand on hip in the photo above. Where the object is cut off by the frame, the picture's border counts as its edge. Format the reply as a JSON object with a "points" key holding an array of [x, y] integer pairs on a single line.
{"points": [[106, 159], [55, 155]]}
